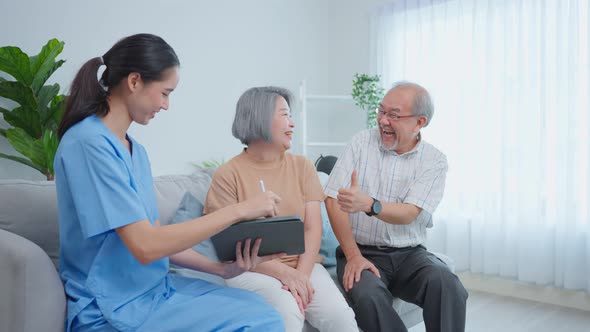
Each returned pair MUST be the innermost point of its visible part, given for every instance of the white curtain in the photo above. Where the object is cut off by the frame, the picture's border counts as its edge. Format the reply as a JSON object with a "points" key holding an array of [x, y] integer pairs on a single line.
{"points": [[510, 82]]}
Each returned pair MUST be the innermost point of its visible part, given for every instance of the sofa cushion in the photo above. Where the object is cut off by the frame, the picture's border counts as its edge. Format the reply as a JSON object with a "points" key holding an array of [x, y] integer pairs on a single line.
{"points": [[191, 208], [170, 190], [29, 209]]}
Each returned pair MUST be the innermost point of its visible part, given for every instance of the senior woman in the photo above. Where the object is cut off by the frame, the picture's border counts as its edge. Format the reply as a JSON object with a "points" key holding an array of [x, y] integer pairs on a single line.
{"points": [[297, 286]]}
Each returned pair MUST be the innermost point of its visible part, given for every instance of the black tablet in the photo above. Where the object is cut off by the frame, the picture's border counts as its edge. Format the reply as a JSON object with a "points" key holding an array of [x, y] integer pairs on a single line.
{"points": [[278, 234]]}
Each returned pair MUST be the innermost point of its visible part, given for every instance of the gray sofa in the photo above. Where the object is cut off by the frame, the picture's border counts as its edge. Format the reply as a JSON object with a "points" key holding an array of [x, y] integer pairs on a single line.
{"points": [[31, 293]]}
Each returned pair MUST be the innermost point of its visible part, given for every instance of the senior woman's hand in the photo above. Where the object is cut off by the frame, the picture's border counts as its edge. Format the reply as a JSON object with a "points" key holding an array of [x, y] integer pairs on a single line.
{"points": [[246, 260], [299, 285]]}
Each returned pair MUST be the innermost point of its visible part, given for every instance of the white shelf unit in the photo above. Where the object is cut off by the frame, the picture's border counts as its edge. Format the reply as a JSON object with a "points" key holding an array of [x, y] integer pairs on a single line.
{"points": [[305, 97]]}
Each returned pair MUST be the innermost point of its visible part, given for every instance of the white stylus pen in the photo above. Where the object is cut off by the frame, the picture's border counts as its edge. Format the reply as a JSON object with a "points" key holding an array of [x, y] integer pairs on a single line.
{"points": [[262, 186]]}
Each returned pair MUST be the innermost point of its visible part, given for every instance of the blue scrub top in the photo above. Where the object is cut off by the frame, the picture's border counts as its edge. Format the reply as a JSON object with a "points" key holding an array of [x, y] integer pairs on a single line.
{"points": [[102, 186]]}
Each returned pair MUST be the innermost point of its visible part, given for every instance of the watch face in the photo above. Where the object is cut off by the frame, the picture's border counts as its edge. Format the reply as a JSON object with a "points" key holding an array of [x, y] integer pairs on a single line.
{"points": [[377, 207]]}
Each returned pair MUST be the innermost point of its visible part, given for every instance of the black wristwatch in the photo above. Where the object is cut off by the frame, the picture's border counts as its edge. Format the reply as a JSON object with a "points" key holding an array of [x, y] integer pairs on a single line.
{"points": [[375, 208]]}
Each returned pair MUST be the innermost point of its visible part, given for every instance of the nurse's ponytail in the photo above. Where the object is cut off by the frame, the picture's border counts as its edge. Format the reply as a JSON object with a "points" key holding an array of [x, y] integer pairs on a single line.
{"points": [[146, 54], [86, 97]]}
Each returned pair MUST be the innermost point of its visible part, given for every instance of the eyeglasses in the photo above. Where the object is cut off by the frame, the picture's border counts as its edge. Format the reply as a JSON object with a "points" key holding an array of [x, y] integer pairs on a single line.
{"points": [[391, 116]]}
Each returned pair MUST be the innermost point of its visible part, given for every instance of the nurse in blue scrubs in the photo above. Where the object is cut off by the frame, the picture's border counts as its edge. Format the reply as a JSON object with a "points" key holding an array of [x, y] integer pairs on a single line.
{"points": [[114, 255]]}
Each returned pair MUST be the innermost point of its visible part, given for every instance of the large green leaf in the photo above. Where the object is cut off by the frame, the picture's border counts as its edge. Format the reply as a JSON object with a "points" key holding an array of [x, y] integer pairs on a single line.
{"points": [[22, 161], [44, 64], [52, 117], [41, 79], [19, 93], [40, 109], [16, 63], [45, 95], [23, 118], [50, 144], [27, 146]]}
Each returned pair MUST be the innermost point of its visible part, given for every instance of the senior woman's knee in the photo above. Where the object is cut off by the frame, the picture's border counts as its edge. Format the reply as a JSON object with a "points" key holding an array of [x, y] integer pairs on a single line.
{"points": [[287, 307]]}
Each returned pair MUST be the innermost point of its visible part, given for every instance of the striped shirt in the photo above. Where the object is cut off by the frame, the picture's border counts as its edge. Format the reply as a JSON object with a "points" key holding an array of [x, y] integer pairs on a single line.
{"points": [[416, 177]]}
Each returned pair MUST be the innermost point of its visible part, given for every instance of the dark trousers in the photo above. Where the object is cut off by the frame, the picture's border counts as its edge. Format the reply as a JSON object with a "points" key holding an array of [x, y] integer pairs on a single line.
{"points": [[414, 275]]}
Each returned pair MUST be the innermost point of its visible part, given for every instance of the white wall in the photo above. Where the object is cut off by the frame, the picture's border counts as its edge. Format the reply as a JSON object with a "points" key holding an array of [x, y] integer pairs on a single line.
{"points": [[224, 47]]}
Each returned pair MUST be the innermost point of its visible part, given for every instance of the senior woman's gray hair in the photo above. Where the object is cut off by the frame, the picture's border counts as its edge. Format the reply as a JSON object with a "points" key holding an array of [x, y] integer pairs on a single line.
{"points": [[255, 111], [422, 104]]}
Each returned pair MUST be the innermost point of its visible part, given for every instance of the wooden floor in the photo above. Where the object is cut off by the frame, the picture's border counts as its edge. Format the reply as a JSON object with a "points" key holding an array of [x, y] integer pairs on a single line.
{"points": [[489, 312]]}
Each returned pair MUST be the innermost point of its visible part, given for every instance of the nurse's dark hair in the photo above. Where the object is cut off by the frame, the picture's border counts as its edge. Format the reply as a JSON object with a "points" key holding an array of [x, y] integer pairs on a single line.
{"points": [[146, 54]]}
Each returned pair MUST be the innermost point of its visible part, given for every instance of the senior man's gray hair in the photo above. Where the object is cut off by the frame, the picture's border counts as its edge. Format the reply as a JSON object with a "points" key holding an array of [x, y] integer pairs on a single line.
{"points": [[422, 104]]}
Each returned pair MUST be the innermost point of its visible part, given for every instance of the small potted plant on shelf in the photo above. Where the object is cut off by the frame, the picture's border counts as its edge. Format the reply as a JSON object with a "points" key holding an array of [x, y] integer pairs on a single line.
{"points": [[40, 107], [367, 94]]}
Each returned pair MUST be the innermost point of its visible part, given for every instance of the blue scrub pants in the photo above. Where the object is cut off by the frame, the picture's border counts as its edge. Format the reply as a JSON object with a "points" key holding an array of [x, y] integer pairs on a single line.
{"points": [[197, 305]]}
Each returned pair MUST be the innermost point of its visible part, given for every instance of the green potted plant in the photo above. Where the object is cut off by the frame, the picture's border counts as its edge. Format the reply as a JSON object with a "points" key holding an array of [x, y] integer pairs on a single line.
{"points": [[209, 166], [367, 94], [40, 107]]}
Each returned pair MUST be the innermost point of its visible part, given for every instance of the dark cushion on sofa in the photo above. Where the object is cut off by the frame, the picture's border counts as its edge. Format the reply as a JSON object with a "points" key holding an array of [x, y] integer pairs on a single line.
{"points": [[191, 208]]}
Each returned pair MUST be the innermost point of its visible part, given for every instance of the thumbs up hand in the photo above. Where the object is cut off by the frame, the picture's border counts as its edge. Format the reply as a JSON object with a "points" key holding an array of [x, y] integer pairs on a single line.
{"points": [[353, 182], [352, 199]]}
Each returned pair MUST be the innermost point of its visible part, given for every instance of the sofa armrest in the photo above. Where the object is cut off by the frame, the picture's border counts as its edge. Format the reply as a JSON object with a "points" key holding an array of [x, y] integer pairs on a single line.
{"points": [[31, 293]]}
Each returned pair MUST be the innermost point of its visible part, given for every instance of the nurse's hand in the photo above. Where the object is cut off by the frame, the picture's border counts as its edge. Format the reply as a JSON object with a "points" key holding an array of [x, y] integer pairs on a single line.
{"points": [[246, 260], [264, 204]]}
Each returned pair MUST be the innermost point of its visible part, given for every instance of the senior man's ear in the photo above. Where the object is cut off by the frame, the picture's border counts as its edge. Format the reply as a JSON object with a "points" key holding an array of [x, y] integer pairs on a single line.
{"points": [[420, 122]]}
